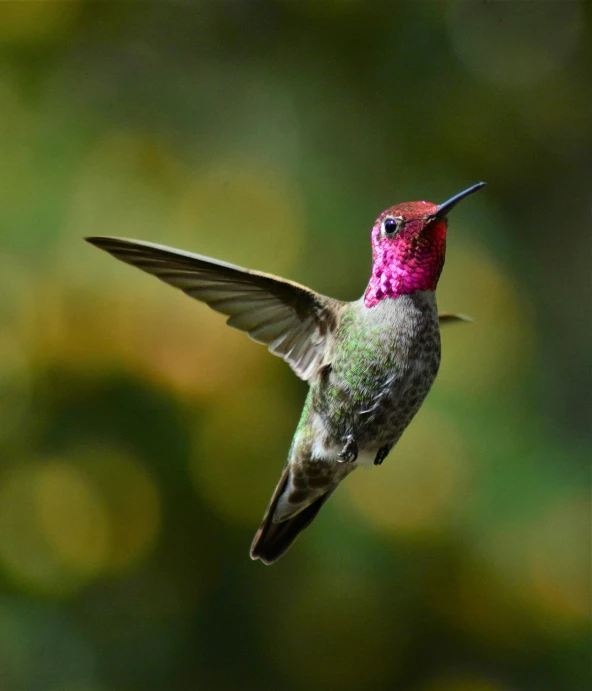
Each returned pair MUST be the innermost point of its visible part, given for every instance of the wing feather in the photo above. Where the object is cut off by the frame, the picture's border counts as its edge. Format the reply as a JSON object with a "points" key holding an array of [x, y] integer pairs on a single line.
{"points": [[293, 321], [450, 317]]}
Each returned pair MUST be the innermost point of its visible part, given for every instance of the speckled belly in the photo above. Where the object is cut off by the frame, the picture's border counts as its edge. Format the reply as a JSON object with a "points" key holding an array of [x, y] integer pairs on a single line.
{"points": [[373, 389], [395, 408]]}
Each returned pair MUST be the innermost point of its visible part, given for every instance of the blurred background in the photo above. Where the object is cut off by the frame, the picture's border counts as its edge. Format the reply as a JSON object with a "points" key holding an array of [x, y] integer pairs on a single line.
{"points": [[140, 438]]}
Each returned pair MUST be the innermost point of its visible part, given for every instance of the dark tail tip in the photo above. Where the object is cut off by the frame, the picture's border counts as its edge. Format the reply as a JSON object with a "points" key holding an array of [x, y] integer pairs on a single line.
{"points": [[273, 539]]}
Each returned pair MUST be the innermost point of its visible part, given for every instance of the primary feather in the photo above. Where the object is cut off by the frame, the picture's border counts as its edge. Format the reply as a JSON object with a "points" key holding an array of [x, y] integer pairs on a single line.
{"points": [[293, 321]]}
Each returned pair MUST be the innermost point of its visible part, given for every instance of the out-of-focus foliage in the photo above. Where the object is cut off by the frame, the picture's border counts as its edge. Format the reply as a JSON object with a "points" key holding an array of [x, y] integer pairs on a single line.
{"points": [[140, 438]]}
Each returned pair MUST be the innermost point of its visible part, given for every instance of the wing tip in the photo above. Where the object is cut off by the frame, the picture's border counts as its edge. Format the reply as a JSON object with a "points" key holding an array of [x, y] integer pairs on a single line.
{"points": [[103, 242], [448, 317], [100, 240]]}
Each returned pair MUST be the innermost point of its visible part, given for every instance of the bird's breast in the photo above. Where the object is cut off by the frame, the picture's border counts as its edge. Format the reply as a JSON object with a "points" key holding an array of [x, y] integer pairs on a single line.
{"points": [[384, 362]]}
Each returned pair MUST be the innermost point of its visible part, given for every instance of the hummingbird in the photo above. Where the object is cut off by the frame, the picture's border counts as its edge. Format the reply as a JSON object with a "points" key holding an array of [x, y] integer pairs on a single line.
{"points": [[369, 363]]}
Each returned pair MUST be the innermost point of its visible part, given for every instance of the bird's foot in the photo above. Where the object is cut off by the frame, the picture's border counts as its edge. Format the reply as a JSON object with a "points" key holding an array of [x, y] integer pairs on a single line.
{"points": [[349, 453], [383, 452]]}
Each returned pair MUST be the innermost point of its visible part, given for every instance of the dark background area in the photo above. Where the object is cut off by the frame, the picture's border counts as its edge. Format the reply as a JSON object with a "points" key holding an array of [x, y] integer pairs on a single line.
{"points": [[140, 438]]}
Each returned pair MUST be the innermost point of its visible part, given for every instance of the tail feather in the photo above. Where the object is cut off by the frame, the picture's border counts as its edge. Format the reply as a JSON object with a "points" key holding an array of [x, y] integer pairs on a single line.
{"points": [[273, 539]]}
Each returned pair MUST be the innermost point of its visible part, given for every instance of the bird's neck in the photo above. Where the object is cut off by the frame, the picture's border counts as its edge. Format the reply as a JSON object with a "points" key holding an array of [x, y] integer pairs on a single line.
{"points": [[400, 271]]}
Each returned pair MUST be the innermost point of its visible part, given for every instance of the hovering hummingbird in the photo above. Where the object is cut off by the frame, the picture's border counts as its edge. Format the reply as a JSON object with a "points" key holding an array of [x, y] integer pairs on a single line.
{"points": [[369, 363]]}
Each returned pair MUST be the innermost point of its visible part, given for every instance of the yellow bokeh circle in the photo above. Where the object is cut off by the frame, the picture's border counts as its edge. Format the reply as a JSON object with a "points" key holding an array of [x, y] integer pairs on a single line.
{"points": [[54, 533], [66, 521]]}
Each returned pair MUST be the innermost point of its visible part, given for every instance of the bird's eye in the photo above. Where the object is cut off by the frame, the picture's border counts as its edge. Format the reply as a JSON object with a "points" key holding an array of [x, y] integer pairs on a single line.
{"points": [[390, 227]]}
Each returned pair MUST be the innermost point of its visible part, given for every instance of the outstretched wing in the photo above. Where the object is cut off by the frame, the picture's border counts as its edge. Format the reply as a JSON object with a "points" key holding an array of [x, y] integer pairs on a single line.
{"points": [[289, 318], [448, 317]]}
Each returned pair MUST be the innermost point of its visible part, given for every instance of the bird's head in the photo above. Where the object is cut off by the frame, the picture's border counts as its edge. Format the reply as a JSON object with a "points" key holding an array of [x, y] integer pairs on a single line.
{"points": [[408, 247]]}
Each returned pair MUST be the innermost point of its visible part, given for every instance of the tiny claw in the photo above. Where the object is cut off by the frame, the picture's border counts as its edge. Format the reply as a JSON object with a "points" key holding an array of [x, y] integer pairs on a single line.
{"points": [[383, 452], [349, 453]]}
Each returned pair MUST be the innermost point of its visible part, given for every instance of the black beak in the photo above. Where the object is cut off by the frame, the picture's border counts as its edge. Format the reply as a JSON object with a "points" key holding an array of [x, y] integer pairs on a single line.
{"points": [[444, 208]]}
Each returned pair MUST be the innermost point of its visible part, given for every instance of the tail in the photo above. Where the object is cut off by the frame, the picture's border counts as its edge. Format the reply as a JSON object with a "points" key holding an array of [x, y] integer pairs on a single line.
{"points": [[273, 538]]}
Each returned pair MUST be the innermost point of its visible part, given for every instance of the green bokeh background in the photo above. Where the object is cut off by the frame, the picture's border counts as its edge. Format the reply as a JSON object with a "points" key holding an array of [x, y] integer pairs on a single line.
{"points": [[140, 438]]}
